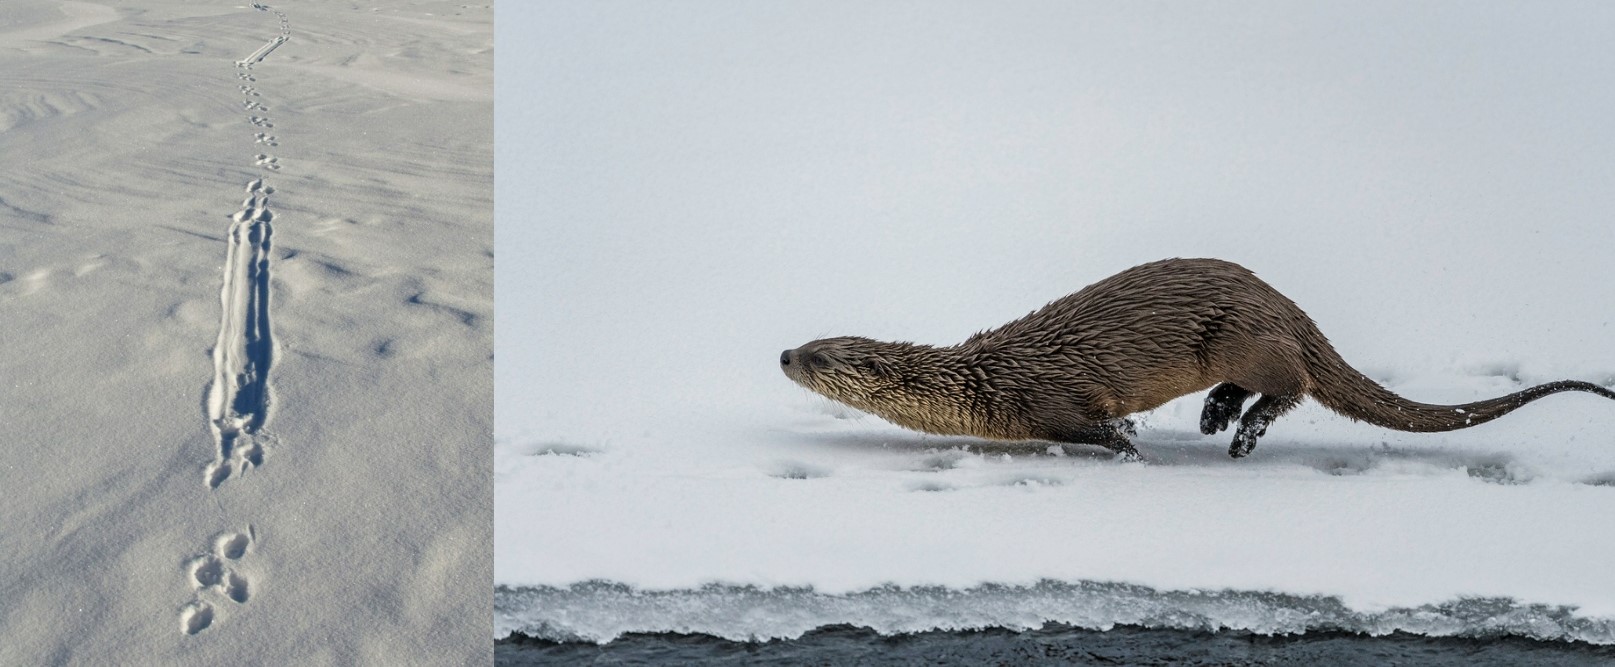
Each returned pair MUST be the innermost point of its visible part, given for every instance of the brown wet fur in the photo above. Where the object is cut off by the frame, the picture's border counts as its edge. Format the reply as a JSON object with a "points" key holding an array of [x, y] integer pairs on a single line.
{"points": [[1073, 369]]}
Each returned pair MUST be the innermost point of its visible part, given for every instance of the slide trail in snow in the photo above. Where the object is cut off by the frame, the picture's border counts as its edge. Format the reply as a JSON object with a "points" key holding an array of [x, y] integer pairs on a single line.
{"points": [[238, 400], [239, 396]]}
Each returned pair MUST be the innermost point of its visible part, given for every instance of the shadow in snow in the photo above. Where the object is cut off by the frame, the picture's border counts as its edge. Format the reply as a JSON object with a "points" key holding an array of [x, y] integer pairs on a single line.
{"points": [[1186, 449]]}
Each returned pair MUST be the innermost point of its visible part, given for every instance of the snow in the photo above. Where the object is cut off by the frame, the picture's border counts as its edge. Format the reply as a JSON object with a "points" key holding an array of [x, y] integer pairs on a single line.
{"points": [[690, 190], [247, 332]]}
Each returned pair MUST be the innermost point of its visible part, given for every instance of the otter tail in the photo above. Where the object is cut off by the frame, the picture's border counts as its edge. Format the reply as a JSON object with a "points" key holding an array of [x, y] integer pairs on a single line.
{"points": [[1341, 388]]}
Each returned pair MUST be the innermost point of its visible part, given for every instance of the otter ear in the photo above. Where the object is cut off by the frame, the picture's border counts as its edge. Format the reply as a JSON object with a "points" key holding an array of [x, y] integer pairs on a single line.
{"points": [[880, 368]]}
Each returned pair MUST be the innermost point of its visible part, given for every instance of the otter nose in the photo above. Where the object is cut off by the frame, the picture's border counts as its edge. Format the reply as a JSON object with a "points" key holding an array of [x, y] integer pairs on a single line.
{"points": [[785, 358]]}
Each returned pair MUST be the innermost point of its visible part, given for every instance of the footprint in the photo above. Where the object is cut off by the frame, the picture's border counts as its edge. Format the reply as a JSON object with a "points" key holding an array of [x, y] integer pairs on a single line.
{"points": [[216, 473], [1033, 481], [232, 545], [245, 76], [1499, 472], [795, 470], [196, 617], [207, 572], [212, 570], [259, 121], [941, 461], [561, 449], [265, 139], [253, 454], [268, 162], [250, 105], [234, 587]]}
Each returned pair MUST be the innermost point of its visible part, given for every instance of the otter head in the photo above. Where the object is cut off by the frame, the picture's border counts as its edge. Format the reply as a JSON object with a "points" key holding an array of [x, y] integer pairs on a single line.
{"points": [[849, 369], [914, 386]]}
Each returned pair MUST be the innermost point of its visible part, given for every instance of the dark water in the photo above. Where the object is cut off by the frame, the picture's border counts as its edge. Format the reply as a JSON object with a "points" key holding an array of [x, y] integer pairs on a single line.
{"points": [[1054, 645]]}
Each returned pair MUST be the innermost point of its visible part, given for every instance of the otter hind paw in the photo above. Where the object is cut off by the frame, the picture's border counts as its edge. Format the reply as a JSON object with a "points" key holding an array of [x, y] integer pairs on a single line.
{"points": [[1256, 420], [1244, 442], [1125, 425]]}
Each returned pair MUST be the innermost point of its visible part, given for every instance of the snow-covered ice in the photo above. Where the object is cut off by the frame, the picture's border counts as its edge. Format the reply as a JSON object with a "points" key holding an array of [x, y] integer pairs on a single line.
{"points": [[245, 332], [688, 191]]}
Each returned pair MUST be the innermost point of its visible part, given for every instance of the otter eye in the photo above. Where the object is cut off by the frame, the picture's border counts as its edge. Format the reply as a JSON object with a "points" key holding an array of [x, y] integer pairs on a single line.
{"points": [[817, 360]]}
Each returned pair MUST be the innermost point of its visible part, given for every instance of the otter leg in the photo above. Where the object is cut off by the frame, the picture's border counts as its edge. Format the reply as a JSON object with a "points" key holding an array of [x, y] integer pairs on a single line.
{"points": [[1108, 435], [1254, 424], [1222, 407]]}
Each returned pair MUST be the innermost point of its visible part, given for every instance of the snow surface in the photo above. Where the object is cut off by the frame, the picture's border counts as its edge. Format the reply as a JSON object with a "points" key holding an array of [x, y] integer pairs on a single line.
{"points": [[245, 332], [692, 189]]}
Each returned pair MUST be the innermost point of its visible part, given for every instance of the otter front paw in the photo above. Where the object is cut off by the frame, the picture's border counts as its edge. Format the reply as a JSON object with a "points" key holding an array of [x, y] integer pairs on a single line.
{"points": [[1223, 404], [1216, 416]]}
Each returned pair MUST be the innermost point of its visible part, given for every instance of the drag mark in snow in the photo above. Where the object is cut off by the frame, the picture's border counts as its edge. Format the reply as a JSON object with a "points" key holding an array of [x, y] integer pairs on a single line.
{"points": [[269, 46], [262, 51], [238, 400]]}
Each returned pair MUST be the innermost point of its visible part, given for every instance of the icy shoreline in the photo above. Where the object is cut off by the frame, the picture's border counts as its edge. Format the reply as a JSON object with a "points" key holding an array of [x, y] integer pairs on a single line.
{"points": [[601, 612]]}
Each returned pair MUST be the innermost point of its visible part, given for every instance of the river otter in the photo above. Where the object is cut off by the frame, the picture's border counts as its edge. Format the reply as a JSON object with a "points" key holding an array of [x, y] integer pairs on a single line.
{"points": [[1073, 369]]}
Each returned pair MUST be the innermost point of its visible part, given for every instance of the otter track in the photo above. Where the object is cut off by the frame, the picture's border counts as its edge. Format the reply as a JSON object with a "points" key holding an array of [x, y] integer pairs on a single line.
{"points": [[238, 397]]}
